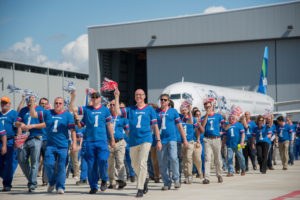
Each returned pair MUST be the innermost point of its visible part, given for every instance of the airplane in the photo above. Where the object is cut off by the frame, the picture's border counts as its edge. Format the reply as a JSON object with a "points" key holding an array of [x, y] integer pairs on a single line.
{"points": [[257, 103]]}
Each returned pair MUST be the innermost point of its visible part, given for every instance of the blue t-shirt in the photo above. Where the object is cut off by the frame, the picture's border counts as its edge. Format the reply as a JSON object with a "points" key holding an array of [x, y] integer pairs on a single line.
{"points": [[249, 130], [261, 134], [57, 127], [234, 135], [95, 120], [283, 132], [2, 132], [79, 132], [119, 125], [24, 116], [167, 121], [212, 127], [140, 121], [8, 121], [189, 129]]}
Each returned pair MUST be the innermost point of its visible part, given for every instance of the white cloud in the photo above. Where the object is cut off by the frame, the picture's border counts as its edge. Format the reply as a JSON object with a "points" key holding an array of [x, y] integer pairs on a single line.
{"points": [[214, 9], [74, 54]]}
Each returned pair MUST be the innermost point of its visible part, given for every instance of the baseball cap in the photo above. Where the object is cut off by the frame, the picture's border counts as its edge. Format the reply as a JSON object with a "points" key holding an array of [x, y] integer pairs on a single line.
{"points": [[95, 93], [5, 99]]}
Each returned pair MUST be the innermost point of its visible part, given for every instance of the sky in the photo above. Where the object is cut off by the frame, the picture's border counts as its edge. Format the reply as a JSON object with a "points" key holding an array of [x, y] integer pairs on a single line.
{"points": [[53, 33]]}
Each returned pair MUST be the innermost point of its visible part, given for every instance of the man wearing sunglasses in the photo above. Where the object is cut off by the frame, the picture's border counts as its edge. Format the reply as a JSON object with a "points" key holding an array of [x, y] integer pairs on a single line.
{"points": [[212, 142], [58, 123], [96, 118], [168, 120], [116, 158], [32, 145], [141, 118]]}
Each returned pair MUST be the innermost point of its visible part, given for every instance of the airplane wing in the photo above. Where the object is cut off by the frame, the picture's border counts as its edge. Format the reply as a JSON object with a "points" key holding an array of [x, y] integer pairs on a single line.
{"points": [[284, 103]]}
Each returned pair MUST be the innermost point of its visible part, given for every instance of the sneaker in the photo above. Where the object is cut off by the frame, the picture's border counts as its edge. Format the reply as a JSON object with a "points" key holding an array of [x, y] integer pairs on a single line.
{"points": [[220, 179], [285, 168], [6, 189], [146, 186], [76, 177], [243, 173], [205, 181], [50, 188], [254, 168], [190, 180], [60, 191], [139, 193], [177, 185], [165, 188], [81, 182], [103, 186], [229, 175], [132, 179], [44, 184], [122, 184], [156, 180], [32, 189], [111, 186], [93, 191]]}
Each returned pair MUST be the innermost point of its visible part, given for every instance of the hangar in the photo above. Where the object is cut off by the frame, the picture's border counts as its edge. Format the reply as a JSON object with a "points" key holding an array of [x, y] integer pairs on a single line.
{"points": [[224, 49]]}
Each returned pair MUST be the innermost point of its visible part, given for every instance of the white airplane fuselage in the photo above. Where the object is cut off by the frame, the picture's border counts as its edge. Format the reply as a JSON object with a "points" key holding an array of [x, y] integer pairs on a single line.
{"points": [[255, 103]]}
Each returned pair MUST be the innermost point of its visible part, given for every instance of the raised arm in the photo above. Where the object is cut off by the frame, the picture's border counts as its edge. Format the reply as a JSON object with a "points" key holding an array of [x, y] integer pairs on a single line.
{"points": [[117, 103], [72, 107], [33, 113], [22, 102]]}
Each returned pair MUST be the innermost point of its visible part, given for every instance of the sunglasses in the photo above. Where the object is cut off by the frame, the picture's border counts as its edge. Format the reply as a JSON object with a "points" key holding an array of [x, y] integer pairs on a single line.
{"points": [[112, 104], [94, 97], [58, 103], [163, 99]]}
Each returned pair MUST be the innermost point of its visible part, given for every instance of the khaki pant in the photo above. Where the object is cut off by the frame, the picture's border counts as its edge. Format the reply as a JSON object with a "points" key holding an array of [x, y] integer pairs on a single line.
{"points": [[191, 154], [116, 167], [75, 163], [155, 162], [139, 156], [284, 152], [212, 146]]}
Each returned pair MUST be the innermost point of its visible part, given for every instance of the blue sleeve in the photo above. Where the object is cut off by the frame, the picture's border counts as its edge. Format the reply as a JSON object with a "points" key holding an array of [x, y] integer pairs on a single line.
{"points": [[124, 112], [108, 116], [20, 115], [71, 123], [177, 118], [2, 130], [153, 117]]}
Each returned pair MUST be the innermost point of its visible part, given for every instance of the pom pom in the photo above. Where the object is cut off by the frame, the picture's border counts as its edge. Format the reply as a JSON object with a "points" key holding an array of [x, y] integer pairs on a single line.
{"points": [[108, 85], [70, 87]]}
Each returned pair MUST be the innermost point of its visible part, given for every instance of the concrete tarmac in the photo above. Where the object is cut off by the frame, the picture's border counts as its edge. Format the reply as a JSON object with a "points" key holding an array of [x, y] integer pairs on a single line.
{"points": [[254, 185]]}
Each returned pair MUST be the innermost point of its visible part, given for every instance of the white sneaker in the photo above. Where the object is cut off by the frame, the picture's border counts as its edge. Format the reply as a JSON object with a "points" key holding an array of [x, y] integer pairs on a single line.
{"points": [[50, 188], [76, 178], [60, 191]]}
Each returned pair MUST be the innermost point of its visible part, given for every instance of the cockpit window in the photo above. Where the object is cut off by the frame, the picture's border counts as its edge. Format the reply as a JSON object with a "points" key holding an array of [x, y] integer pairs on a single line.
{"points": [[175, 96]]}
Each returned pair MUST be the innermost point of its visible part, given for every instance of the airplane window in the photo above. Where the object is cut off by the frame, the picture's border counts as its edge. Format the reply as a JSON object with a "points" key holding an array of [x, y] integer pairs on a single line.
{"points": [[175, 96]]}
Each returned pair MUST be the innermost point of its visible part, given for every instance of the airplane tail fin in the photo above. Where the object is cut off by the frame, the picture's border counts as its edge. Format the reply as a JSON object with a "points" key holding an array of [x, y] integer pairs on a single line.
{"points": [[262, 88]]}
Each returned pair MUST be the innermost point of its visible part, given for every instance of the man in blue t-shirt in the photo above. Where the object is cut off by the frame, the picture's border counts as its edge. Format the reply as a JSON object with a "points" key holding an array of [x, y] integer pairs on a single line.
{"points": [[168, 121], [97, 120], [8, 161], [116, 164], [248, 151], [212, 142], [142, 118], [58, 124], [32, 146], [283, 132]]}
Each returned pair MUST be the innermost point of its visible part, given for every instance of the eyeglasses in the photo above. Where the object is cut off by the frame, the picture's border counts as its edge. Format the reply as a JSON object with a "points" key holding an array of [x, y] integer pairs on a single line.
{"points": [[112, 104], [94, 97], [163, 99], [58, 103], [261, 120]]}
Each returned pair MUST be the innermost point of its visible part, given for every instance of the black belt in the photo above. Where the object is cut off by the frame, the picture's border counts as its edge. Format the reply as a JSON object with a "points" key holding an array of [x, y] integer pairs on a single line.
{"points": [[10, 138], [118, 140], [34, 137]]}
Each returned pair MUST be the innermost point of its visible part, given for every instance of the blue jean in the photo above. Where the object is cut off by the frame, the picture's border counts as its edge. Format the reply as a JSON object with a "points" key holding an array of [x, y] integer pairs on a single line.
{"points": [[291, 153], [52, 154], [84, 167], [96, 157], [297, 148], [240, 157], [31, 148], [203, 157], [179, 156], [8, 165], [129, 169], [150, 166], [168, 155]]}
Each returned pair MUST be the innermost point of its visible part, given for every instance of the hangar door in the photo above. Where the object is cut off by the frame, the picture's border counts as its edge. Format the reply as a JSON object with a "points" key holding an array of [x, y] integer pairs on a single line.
{"points": [[128, 67]]}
